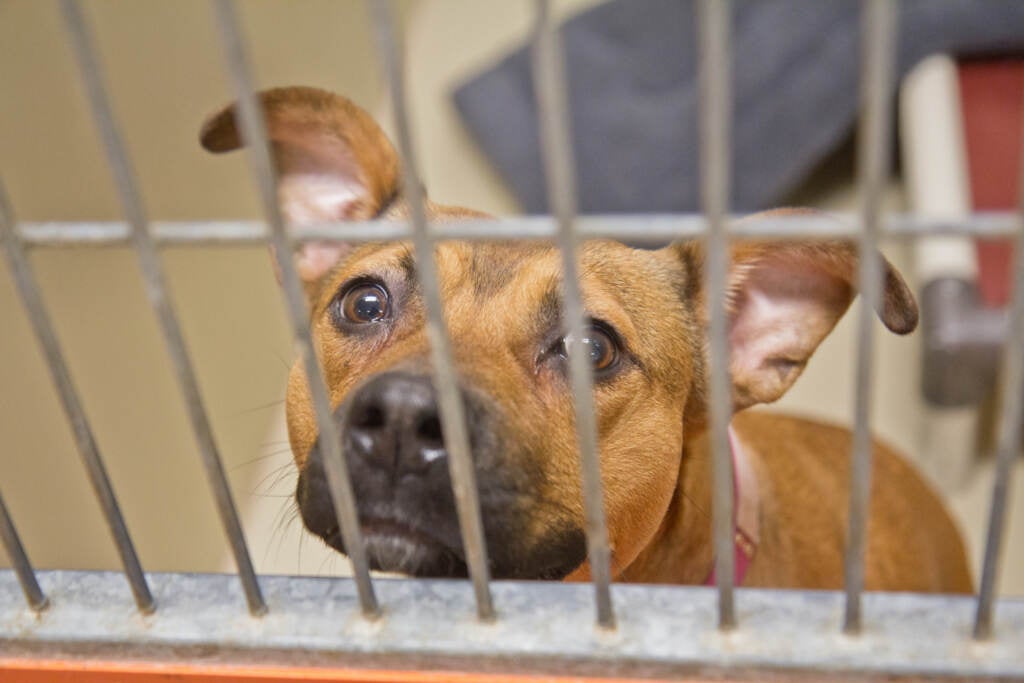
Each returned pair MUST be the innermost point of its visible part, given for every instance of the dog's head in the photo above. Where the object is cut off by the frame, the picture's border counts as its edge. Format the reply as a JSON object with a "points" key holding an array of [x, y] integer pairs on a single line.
{"points": [[503, 310]]}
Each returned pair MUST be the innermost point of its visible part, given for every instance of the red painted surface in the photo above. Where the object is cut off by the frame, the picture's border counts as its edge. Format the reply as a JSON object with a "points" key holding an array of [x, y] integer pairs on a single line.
{"points": [[73, 671], [992, 96]]}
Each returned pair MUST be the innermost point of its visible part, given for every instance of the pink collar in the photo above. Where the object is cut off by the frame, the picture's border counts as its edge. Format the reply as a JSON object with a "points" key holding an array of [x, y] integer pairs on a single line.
{"points": [[745, 511]]}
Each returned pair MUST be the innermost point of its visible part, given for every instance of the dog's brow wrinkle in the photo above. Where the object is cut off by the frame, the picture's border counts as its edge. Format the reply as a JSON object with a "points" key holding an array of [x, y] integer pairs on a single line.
{"points": [[389, 201], [550, 310], [407, 262], [691, 273], [492, 268]]}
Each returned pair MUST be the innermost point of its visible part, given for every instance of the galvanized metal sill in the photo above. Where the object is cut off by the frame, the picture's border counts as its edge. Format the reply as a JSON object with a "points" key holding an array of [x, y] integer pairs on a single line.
{"points": [[541, 627]]}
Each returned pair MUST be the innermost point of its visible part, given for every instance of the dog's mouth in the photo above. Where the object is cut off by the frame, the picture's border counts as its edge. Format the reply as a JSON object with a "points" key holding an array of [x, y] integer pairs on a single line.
{"points": [[393, 545]]}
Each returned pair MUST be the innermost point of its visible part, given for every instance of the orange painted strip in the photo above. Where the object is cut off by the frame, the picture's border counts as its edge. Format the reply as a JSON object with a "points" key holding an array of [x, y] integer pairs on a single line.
{"points": [[72, 671]]}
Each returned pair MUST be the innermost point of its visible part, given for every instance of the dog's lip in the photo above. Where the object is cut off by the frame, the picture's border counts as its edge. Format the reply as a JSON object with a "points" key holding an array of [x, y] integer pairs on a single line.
{"points": [[389, 527]]}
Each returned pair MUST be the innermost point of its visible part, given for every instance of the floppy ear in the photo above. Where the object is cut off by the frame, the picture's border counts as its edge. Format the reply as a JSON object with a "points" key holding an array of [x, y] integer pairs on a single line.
{"points": [[333, 163], [784, 297]]}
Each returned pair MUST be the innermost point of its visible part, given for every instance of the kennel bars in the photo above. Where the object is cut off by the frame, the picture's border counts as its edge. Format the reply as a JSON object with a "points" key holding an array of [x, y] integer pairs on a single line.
{"points": [[645, 631]]}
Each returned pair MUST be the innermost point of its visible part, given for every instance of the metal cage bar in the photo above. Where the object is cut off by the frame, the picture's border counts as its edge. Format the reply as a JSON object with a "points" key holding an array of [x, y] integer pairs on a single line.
{"points": [[878, 50], [1011, 420], [452, 412], [156, 289], [255, 134], [648, 230], [34, 595], [556, 145], [85, 442], [715, 74]]}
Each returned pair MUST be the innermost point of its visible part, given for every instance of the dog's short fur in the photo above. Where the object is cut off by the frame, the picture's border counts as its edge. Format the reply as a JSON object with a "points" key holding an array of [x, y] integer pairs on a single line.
{"points": [[503, 312]]}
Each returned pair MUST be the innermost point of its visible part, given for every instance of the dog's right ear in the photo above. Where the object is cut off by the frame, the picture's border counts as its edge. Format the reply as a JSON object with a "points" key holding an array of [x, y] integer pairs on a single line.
{"points": [[334, 163], [783, 298]]}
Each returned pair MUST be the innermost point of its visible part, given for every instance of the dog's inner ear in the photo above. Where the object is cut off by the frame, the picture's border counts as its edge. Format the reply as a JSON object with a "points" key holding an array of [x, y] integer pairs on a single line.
{"points": [[334, 163], [783, 300]]}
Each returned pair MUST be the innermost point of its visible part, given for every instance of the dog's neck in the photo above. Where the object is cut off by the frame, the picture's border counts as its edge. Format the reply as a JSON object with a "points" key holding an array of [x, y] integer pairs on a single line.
{"points": [[681, 551]]}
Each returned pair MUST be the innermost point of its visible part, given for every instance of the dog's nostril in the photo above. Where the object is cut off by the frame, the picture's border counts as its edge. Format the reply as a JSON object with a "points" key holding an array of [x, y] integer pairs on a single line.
{"points": [[368, 417], [428, 431]]}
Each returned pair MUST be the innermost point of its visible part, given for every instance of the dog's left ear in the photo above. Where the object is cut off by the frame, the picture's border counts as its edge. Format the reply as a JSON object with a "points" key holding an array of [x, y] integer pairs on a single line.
{"points": [[784, 297], [334, 163]]}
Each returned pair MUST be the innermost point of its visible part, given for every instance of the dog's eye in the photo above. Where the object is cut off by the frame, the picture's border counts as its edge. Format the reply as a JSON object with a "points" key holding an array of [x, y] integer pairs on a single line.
{"points": [[601, 347], [366, 303]]}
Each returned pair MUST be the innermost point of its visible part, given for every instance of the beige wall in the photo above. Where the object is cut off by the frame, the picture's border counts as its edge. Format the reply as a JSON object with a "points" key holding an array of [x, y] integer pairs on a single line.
{"points": [[164, 68], [165, 74]]}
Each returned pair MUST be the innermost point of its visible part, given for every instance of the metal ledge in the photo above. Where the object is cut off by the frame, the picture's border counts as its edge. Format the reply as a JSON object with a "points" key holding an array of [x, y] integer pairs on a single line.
{"points": [[541, 627]]}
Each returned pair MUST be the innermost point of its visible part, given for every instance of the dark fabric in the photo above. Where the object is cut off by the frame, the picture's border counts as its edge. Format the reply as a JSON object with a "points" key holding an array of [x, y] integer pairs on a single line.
{"points": [[633, 94]]}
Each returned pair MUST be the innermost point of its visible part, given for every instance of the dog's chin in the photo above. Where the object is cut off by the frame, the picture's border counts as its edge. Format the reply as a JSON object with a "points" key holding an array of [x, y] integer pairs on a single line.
{"points": [[394, 547]]}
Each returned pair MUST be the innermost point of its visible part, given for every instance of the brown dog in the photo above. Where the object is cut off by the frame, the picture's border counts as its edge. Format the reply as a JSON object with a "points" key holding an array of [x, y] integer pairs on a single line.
{"points": [[647, 345]]}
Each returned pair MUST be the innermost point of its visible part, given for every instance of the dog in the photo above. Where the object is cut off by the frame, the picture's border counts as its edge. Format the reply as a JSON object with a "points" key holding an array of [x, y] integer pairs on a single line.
{"points": [[647, 343]]}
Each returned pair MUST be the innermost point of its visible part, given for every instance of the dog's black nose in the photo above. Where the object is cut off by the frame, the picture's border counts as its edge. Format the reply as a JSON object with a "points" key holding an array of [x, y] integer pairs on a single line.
{"points": [[392, 423]]}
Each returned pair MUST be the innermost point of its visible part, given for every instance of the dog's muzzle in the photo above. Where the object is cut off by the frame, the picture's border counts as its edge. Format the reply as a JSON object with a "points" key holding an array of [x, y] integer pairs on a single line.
{"points": [[393, 444]]}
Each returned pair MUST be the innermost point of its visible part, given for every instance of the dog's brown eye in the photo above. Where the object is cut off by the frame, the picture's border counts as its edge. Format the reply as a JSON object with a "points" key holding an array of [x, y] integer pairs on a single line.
{"points": [[601, 347], [366, 303]]}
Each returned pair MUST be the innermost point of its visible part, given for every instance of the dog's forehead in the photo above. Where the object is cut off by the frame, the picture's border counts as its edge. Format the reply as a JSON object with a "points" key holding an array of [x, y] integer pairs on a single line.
{"points": [[620, 285]]}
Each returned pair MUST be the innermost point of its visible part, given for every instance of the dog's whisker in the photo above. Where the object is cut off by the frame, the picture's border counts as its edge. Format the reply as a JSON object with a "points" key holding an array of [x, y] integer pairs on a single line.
{"points": [[274, 450], [284, 363], [257, 459], [324, 564], [275, 477], [285, 473], [280, 521], [255, 409]]}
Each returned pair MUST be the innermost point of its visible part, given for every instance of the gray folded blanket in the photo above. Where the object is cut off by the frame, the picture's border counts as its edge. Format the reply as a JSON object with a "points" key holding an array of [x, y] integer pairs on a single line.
{"points": [[633, 95]]}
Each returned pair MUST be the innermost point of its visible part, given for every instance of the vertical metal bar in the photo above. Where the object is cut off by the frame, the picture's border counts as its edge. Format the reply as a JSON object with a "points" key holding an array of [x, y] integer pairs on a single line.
{"points": [[878, 49], [1010, 421], [152, 273], [453, 417], [255, 134], [32, 300], [715, 123], [556, 146], [34, 595]]}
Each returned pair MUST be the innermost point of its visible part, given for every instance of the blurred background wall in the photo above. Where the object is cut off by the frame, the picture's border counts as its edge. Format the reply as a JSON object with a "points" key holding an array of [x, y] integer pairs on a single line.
{"points": [[165, 74]]}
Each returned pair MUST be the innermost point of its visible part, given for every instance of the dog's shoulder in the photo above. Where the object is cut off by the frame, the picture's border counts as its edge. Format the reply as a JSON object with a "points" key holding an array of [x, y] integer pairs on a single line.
{"points": [[913, 542]]}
